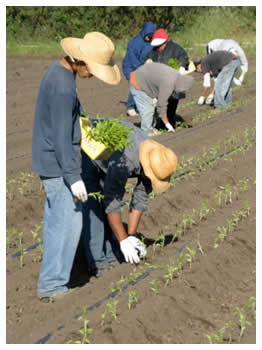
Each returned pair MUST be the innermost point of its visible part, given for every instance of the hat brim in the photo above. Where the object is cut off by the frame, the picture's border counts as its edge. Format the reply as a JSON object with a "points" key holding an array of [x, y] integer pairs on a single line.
{"points": [[158, 41], [145, 148], [109, 74]]}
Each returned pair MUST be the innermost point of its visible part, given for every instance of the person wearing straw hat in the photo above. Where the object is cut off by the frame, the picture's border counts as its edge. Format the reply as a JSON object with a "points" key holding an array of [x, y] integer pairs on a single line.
{"points": [[104, 236], [56, 155]]}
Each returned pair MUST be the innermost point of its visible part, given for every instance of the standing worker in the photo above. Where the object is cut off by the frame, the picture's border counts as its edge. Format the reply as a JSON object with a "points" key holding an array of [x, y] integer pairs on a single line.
{"points": [[137, 49], [56, 155], [104, 235]]}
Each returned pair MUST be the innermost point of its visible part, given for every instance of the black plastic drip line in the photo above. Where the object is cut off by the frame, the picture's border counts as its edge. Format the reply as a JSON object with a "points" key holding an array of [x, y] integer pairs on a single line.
{"points": [[195, 128], [221, 155], [109, 296]]}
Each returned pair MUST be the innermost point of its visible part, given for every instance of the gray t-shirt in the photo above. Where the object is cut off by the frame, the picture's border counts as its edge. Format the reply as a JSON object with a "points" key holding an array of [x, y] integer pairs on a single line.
{"points": [[159, 81], [215, 62]]}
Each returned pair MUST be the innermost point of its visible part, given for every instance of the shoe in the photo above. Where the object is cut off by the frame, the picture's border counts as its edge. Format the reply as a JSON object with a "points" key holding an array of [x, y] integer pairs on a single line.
{"points": [[131, 112], [54, 296], [155, 132]]}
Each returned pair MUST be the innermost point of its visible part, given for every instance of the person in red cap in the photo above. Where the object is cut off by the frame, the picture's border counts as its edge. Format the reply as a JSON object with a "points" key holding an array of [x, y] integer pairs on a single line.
{"points": [[163, 50]]}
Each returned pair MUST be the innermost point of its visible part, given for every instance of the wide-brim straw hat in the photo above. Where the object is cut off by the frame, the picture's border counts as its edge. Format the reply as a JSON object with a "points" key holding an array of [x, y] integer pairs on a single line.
{"points": [[96, 50], [159, 163]]}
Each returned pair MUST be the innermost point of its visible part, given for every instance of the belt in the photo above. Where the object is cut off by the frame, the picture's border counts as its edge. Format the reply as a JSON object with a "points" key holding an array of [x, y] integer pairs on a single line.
{"points": [[133, 80]]}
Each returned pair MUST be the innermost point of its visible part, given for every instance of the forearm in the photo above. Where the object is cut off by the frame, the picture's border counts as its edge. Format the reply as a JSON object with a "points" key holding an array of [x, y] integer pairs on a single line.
{"points": [[117, 226], [204, 91], [134, 217]]}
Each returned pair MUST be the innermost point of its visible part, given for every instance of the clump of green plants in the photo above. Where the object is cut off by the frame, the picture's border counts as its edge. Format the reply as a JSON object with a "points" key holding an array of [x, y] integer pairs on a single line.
{"points": [[111, 132], [173, 63]]}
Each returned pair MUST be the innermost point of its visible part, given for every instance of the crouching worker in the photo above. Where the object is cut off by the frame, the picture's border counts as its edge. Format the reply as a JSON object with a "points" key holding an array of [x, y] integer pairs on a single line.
{"points": [[56, 154], [222, 66], [104, 236], [151, 86]]}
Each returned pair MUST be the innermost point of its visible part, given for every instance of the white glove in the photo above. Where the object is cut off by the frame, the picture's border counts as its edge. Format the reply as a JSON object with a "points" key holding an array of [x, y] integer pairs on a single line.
{"points": [[241, 78], [149, 60], [137, 244], [209, 99], [237, 82], [169, 127], [201, 100], [79, 190], [154, 102], [182, 70], [129, 251]]}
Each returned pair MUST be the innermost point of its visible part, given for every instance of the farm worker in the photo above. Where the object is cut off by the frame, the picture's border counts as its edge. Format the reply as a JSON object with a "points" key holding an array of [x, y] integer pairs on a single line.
{"points": [[104, 235], [137, 49], [163, 50], [222, 66], [231, 46], [56, 155], [156, 82]]}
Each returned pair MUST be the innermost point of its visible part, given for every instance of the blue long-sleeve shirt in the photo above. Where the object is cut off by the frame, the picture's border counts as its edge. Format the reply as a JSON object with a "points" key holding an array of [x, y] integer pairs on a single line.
{"points": [[56, 133], [137, 49]]}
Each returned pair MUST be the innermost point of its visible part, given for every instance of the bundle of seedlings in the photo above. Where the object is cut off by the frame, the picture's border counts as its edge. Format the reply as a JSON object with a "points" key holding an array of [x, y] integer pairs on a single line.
{"points": [[103, 136]]}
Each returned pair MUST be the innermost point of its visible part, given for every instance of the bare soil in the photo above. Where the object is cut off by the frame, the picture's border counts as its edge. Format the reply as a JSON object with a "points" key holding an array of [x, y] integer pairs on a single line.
{"points": [[205, 294]]}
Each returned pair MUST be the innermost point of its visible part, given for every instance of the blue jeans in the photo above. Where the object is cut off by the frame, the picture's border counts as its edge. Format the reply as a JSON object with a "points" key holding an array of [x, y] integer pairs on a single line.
{"points": [[145, 108], [130, 102], [223, 84], [100, 244], [61, 233]]}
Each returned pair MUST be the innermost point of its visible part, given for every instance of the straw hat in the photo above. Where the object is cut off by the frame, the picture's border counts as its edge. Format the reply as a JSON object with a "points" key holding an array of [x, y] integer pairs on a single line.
{"points": [[96, 50], [159, 163]]}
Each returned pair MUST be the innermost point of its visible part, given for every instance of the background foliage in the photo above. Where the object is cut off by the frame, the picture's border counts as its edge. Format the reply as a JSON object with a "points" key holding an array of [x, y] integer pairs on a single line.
{"points": [[49, 24]]}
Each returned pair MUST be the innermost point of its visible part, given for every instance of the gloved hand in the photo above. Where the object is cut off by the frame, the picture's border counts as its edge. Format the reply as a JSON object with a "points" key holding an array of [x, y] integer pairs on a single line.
{"points": [[241, 78], [182, 70], [154, 102], [129, 251], [209, 99], [79, 190], [201, 100], [237, 82], [138, 245], [169, 127], [148, 60]]}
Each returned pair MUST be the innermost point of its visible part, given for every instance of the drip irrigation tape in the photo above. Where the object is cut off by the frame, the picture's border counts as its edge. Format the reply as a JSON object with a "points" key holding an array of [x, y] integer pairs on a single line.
{"points": [[195, 128], [221, 155], [109, 296]]}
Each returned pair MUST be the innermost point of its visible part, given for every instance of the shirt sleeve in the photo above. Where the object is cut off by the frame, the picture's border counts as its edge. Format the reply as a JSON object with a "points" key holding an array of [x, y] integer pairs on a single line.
{"points": [[140, 194], [206, 82], [67, 154]]}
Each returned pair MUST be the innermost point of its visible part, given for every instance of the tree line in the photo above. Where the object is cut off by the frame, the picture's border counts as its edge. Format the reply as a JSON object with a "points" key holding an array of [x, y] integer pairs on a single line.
{"points": [[118, 22]]}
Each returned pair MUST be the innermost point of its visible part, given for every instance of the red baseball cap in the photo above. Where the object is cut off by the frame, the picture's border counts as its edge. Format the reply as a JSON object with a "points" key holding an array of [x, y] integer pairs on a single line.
{"points": [[159, 37]]}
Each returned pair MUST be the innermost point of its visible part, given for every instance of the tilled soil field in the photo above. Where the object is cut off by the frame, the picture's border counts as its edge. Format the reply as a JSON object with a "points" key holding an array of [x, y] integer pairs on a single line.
{"points": [[198, 283]]}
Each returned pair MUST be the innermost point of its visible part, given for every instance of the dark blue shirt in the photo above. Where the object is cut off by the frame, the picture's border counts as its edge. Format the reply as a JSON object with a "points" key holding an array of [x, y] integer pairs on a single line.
{"points": [[137, 49], [56, 133]]}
